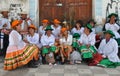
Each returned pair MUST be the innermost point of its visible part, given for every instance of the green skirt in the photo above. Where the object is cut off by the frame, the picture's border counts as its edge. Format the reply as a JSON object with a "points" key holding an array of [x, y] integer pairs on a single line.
{"points": [[75, 45], [47, 50], [87, 52], [108, 64]]}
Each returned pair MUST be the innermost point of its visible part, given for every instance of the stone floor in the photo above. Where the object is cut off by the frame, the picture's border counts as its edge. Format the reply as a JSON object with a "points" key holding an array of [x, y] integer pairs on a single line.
{"points": [[61, 70]]}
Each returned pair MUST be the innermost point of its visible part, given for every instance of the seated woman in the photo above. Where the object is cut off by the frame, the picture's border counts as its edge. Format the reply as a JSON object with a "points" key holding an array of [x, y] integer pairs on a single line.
{"points": [[42, 28], [32, 37], [87, 42], [108, 49], [65, 44], [56, 28], [92, 23], [78, 28], [18, 52], [48, 48], [75, 43], [112, 25]]}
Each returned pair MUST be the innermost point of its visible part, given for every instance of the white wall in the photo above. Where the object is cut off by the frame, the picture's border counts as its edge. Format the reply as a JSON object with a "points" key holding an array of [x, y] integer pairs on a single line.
{"points": [[100, 9], [30, 6]]}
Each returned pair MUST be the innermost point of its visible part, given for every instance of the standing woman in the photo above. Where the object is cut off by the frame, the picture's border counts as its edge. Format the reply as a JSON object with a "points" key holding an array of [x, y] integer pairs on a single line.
{"points": [[65, 44], [109, 49], [87, 42], [18, 52], [78, 28]]}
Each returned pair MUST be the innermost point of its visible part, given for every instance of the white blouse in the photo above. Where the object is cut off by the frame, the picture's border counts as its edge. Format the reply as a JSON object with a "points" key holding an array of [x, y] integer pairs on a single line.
{"points": [[15, 39], [113, 27], [33, 39], [56, 31], [74, 30], [41, 30], [66, 42], [109, 49], [90, 39], [45, 40]]}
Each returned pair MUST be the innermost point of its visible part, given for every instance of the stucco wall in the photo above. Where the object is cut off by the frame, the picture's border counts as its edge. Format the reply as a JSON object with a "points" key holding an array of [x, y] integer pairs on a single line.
{"points": [[102, 8], [17, 6]]}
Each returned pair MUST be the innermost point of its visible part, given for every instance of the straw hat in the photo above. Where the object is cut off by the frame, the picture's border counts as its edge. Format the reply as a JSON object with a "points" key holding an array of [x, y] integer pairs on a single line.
{"points": [[4, 10], [24, 12]]}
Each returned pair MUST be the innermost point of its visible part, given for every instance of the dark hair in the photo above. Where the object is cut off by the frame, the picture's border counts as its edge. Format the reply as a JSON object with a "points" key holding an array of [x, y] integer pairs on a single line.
{"points": [[79, 22], [92, 20]]}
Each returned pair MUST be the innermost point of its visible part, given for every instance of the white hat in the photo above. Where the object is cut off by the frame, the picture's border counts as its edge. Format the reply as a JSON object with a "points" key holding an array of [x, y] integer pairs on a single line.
{"points": [[4, 9], [24, 12]]}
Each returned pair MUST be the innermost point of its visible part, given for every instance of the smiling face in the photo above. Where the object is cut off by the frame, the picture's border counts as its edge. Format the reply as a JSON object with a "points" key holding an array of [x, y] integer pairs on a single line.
{"points": [[86, 30], [31, 30], [48, 32]]}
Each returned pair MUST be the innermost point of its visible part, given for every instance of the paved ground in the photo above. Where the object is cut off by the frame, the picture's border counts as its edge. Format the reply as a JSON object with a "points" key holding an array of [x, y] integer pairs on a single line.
{"points": [[61, 70]]}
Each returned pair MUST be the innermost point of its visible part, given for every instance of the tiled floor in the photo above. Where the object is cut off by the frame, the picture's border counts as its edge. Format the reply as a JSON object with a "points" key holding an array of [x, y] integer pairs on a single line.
{"points": [[61, 70]]}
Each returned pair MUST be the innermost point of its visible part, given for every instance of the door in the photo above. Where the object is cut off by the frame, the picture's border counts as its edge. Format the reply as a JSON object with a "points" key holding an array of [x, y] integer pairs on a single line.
{"points": [[71, 10]]}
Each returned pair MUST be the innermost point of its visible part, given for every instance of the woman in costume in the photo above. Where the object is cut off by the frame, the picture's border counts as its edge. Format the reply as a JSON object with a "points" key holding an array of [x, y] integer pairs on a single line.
{"points": [[42, 28], [113, 26], [18, 52], [87, 42], [109, 49], [78, 28], [56, 28], [48, 48], [65, 44], [32, 37]]}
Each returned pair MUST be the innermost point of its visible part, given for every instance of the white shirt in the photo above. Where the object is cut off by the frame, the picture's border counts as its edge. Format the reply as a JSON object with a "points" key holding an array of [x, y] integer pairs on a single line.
{"points": [[66, 42], [26, 23], [4, 21], [33, 39], [90, 39], [109, 49], [41, 30], [56, 31], [113, 27], [45, 40], [74, 30], [15, 39]]}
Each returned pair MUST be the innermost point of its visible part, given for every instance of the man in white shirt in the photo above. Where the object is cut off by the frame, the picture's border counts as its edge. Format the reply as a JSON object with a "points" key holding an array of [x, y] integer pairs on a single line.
{"points": [[4, 30], [25, 21]]}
